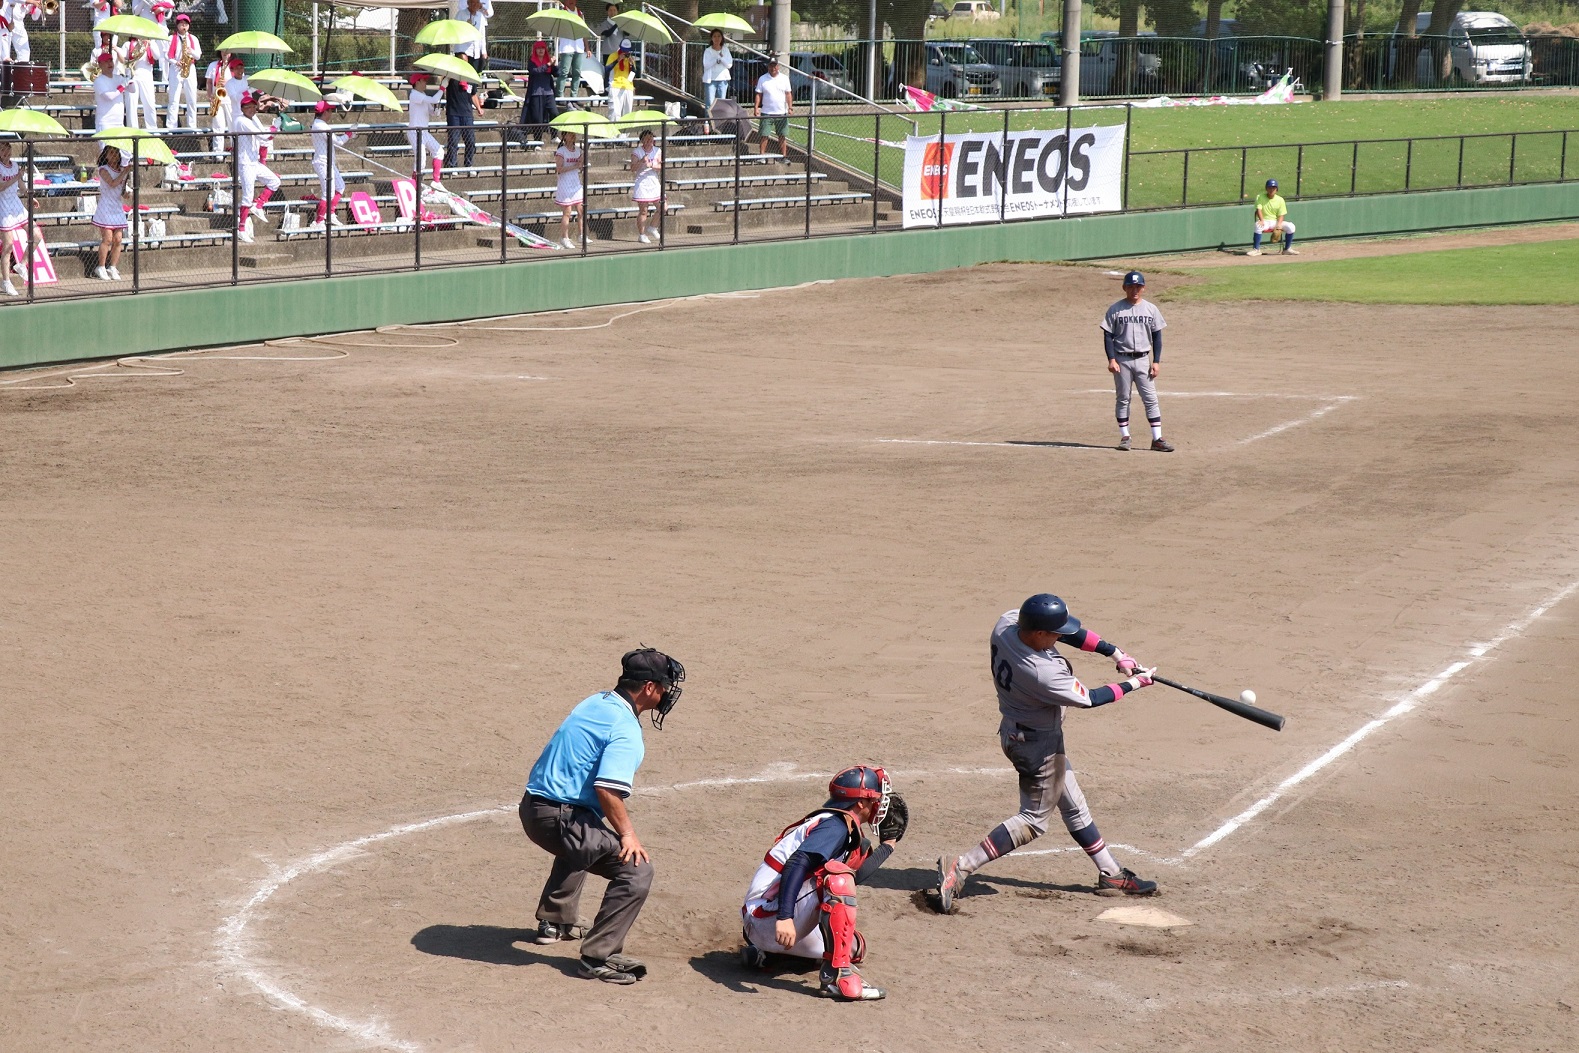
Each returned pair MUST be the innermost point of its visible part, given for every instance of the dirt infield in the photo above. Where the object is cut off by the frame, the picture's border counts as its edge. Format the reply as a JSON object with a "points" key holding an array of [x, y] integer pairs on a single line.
{"points": [[262, 618]]}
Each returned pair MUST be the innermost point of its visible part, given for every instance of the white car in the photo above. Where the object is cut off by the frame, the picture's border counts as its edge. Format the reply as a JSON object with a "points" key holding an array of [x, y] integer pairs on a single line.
{"points": [[974, 11]]}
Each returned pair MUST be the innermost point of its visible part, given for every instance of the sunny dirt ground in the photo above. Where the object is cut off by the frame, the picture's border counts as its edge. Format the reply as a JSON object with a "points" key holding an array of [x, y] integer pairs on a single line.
{"points": [[260, 617]]}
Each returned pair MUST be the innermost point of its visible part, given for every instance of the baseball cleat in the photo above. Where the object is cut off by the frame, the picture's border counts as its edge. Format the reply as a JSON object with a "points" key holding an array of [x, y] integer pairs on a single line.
{"points": [[846, 985], [950, 884], [1253, 252], [592, 969], [1162, 445], [552, 932], [753, 957], [1123, 443], [1125, 883], [1291, 251]]}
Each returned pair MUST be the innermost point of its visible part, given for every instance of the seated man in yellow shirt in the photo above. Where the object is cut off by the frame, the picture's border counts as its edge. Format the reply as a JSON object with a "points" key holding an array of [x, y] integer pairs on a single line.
{"points": [[1272, 218]]}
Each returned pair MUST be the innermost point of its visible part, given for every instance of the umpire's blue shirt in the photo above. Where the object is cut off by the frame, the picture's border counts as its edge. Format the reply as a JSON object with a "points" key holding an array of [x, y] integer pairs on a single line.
{"points": [[599, 744]]}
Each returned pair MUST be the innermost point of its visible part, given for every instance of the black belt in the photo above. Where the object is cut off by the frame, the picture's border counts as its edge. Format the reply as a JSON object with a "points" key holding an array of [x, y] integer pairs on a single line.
{"points": [[1131, 354]]}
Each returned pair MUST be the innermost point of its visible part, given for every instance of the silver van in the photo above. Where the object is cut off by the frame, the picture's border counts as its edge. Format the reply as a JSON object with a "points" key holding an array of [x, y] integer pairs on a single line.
{"points": [[1483, 47]]}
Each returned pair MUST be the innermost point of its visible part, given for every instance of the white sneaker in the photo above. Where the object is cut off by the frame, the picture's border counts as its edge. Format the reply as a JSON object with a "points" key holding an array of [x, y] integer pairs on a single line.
{"points": [[1253, 252], [652, 232], [115, 274], [10, 290], [645, 239], [336, 221], [569, 243], [259, 215], [101, 274], [244, 236]]}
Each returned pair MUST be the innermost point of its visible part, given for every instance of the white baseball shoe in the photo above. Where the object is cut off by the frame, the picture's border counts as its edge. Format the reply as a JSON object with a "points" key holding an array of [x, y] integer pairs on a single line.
{"points": [[1253, 252]]}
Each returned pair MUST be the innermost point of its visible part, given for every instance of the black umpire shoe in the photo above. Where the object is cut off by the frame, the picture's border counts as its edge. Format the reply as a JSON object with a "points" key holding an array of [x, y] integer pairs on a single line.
{"points": [[1125, 883], [608, 971], [551, 932]]}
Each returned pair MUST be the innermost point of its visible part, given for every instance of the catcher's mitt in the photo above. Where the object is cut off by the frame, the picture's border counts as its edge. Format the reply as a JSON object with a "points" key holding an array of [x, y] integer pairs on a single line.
{"points": [[894, 824]]}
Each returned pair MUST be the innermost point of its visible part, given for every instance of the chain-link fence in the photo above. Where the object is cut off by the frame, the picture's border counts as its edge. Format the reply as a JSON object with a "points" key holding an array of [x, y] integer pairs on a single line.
{"points": [[226, 209]]}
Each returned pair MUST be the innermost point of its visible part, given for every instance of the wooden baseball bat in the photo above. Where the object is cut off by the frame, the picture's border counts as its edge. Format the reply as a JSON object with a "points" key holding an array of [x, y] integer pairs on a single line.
{"points": [[1233, 705]]}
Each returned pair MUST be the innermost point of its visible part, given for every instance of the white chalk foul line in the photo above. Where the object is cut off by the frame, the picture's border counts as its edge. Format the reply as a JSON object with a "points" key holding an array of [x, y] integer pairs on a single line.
{"points": [[1316, 414], [1406, 705]]}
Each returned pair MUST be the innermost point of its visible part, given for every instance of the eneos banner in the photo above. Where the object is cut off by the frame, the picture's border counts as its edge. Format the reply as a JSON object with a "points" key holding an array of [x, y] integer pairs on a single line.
{"points": [[980, 177]]}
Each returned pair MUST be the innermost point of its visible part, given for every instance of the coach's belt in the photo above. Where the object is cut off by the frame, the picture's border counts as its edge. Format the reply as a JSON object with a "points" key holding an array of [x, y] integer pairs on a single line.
{"points": [[1132, 354]]}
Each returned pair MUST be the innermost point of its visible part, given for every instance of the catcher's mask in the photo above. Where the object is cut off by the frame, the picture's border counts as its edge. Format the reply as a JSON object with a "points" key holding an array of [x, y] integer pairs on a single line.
{"points": [[648, 665], [860, 783]]}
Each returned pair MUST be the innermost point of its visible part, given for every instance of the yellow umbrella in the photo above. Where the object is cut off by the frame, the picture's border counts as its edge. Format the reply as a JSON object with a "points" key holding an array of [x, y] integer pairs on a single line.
{"points": [[369, 89], [593, 124], [447, 31], [23, 121], [287, 84], [254, 42], [556, 22], [133, 26], [644, 28], [449, 66], [149, 147], [727, 22], [644, 119]]}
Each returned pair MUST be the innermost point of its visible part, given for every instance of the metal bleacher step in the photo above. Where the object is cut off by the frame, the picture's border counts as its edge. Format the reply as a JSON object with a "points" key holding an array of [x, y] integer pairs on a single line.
{"points": [[800, 201]]}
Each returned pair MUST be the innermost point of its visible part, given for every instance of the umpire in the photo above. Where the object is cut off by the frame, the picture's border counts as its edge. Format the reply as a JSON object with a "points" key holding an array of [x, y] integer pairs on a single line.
{"points": [[582, 778]]}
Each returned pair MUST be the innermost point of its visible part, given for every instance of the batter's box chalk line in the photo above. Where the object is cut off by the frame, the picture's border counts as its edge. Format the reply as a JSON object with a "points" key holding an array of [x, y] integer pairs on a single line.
{"points": [[236, 944], [1328, 404]]}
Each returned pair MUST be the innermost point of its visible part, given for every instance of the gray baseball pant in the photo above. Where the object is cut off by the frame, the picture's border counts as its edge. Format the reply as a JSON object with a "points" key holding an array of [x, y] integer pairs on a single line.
{"points": [[1132, 370], [582, 845], [1046, 781]]}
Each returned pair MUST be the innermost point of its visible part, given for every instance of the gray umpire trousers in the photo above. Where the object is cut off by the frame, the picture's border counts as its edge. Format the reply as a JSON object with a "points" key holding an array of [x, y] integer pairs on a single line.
{"points": [[582, 845]]}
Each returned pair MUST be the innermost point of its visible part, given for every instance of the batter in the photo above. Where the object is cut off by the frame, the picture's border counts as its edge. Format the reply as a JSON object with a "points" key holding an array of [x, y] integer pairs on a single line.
{"points": [[1034, 685]]}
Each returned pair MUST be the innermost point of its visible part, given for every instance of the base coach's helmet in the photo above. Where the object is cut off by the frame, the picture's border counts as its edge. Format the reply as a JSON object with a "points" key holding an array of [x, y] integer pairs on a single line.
{"points": [[1046, 613], [860, 783]]}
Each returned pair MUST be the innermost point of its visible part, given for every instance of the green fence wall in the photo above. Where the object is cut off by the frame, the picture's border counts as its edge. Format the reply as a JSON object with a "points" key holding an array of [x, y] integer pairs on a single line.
{"points": [[42, 333]]}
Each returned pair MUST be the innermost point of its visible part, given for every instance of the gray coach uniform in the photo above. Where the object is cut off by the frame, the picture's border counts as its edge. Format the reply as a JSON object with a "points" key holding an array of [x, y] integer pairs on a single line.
{"points": [[1132, 339]]}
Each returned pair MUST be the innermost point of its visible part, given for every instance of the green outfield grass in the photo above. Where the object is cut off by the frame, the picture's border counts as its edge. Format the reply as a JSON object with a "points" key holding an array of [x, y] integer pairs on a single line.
{"points": [[1215, 174], [1538, 273]]}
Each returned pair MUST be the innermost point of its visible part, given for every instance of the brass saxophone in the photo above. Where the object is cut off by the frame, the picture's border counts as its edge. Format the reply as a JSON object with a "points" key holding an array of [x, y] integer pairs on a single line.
{"points": [[186, 58], [51, 7]]}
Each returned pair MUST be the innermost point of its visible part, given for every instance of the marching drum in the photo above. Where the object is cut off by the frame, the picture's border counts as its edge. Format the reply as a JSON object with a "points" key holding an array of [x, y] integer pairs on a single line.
{"points": [[24, 78]]}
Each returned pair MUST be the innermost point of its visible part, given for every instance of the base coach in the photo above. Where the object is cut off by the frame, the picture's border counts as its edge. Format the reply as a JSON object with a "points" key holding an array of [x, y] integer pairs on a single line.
{"points": [[581, 780]]}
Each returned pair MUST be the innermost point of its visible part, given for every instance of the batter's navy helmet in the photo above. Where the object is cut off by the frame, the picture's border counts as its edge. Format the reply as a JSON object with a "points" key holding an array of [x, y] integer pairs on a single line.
{"points": [[1045, 612]]}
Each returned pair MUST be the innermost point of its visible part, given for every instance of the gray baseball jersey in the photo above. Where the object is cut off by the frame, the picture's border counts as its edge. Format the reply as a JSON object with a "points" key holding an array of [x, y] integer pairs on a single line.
{"points": [[1033, 686], [1132, 326]]}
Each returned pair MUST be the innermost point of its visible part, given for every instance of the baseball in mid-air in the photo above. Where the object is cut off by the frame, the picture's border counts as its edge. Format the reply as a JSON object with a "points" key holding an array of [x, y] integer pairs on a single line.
{"points": [[1248, 697]]}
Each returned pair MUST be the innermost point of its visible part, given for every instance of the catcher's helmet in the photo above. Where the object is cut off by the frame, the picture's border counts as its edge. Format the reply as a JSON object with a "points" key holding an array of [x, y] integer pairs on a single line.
{"points": [[1045, 612], [860, 783]]}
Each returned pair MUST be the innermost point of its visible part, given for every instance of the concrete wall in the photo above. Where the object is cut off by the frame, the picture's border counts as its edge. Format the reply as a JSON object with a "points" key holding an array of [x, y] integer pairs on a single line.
{"points": [[41, 333]]}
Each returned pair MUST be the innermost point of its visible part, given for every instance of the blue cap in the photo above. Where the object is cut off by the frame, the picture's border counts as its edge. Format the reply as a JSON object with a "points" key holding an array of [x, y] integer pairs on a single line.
{"points": [[1134, 278], [1272, 183]]}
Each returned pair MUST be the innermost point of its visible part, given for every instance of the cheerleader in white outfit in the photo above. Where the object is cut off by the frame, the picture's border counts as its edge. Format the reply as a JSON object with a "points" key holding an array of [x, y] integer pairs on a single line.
{"points": [[13, 216], [568, 194], [419, 104], [330, 182], [647, 190], [110, 217]]}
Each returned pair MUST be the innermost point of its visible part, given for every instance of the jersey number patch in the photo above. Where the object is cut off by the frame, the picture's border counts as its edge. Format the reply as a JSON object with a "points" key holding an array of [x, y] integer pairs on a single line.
{"points": [[1002, 675]]}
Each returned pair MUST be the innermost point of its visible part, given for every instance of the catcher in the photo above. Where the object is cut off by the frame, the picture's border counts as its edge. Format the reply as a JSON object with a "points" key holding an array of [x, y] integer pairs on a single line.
{"points": [[802, 898]]}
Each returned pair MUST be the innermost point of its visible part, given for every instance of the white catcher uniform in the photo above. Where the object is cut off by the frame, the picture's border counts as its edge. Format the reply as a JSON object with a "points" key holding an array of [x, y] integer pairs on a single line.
{"points": [[759, 913]]}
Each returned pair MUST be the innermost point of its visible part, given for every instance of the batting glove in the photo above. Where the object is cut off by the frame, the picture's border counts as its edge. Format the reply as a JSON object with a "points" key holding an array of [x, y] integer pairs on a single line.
{"points": [[1126, 665], [1142, 678]]}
